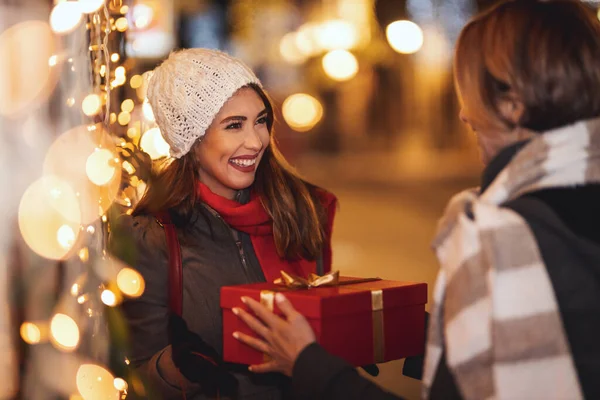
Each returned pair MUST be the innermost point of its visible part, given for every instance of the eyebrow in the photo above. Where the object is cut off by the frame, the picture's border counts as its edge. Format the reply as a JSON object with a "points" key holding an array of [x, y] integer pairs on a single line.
{"points": [[241, 117]]}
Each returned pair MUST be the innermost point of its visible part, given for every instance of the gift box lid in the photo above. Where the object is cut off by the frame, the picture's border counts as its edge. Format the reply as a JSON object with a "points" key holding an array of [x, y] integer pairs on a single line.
{"points": [[332, 301]]}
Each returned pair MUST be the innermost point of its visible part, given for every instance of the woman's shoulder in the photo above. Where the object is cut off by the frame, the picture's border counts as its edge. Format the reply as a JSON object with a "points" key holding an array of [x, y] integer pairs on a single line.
{"points": [[133, 235]]}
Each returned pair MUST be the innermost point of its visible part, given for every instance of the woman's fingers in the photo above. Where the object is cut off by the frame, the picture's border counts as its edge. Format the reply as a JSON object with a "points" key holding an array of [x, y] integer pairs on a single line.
{"points": [[271, 366], [285, 306], [253, 342], [252, 322], [266, 315]]}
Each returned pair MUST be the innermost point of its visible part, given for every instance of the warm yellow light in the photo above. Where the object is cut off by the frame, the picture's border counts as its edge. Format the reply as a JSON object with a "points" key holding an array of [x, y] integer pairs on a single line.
{"points": [[30, 333], [147, 111], [120, 384], [90, 6], [65, 237], [124, 9], [124, 118], [340, 65], [113, 118], [91, 104], [70, 101], [75, 289], [49, 217], [120, 71], [127, 105], [133, 132], [102, 70], [114, 57], [405, 37], [128, 167], [121, 24], [90, 229], [53, 60], [306, 39], [108, 298], [142, 15], [96, 383], [65, 17], [136, 81], [289, 50], [302, 111], [65, 333], [130, 282], [154, 144], [100, 167], [337, 34], [70, 158]]}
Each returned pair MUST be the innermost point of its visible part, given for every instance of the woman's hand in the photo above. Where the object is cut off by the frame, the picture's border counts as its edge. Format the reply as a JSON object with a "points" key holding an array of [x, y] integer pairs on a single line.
{"points": [[284, 339]]}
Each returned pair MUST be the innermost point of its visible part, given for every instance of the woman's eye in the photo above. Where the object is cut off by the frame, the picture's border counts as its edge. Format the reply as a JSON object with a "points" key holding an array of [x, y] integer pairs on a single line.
{"points": [[262, 120], [235, 125]]}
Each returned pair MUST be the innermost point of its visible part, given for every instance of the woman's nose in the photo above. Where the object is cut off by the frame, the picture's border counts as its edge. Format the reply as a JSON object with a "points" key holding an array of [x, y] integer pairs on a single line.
{"points": [[253, 141]]}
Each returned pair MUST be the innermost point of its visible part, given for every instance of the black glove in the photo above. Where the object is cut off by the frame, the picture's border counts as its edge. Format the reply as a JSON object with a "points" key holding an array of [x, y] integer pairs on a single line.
{"points": [[198, 361], [372, 369]]}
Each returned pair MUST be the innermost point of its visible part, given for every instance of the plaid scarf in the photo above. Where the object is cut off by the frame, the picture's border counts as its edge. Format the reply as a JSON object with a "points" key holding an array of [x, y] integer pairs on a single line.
{"points": [[495, 315]]}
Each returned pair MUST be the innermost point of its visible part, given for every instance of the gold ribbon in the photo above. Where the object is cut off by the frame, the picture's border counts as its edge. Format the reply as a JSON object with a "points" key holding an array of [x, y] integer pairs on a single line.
{"points": [[378, 328], [290, 281]]}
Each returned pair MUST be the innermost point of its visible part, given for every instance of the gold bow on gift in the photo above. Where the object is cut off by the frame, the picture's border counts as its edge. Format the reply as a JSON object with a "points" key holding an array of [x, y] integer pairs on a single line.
{"points": [[314, 280]]}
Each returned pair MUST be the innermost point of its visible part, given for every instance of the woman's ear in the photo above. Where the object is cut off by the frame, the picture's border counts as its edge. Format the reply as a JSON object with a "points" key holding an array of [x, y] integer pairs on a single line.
{"points": [[511, 108]]}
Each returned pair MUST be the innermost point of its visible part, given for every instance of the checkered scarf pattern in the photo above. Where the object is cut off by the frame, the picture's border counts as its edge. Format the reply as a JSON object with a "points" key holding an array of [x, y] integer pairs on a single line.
{"points": [[495, 314]]}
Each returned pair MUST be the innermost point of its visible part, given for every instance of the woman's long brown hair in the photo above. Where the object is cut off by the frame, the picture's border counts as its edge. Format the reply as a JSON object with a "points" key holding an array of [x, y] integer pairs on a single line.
{"points": [[299, 217]]}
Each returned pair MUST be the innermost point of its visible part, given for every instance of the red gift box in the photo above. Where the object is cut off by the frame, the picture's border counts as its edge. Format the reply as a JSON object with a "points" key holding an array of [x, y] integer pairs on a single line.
{"points": [[364, 323]]}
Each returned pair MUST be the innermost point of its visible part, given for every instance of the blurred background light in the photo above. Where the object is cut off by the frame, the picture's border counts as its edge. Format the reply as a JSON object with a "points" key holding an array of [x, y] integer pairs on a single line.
{"points": [[65, 17], [337, 34], [405, 37], [340, 65], [96, 383], [154, 144], [130, 282], [302, 111], [64, 332]]}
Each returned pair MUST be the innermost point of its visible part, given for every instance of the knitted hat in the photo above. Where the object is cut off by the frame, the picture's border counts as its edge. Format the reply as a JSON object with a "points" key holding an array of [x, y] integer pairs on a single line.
{"points": [[188, 90]]}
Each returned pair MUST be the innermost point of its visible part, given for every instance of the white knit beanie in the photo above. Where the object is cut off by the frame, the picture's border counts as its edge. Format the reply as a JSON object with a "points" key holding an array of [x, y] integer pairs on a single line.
{"points": [[188, 90]]}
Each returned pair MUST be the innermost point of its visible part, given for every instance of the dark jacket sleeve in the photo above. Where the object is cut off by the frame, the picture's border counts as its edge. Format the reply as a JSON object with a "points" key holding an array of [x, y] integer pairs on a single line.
{"points": [[319, 375], [140, 242]]}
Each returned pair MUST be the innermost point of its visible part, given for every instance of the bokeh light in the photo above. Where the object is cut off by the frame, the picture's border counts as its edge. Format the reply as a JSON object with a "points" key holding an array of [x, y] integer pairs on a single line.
{"points": [[30, 333], [27, 77], [127, 105], [91, 105], [120, 384], [49, 217], [147, 111], [130, 282], [154, 144], [68, 158], [114, 57], [405, 37], [337, 34], [65, 17], [121, 24], [289, 50], [340, 65], [302, 111], [142, 15], [306, 39], [100, 166], [96, 383], [109, 298], [64, 332], [90, 6], [136, 81]]}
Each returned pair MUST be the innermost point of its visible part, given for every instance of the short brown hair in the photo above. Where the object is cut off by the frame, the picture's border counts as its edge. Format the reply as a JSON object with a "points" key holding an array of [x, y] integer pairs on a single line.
{"points": [[545, 52]]}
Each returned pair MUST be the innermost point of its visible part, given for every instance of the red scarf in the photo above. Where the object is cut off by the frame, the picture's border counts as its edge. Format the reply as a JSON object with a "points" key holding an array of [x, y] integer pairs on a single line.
{"points": [[252, 219]]}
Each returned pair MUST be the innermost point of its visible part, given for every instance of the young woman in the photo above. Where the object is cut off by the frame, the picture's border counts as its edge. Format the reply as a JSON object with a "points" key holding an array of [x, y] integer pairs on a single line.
{"points": [[241, 215], [516, 310]]}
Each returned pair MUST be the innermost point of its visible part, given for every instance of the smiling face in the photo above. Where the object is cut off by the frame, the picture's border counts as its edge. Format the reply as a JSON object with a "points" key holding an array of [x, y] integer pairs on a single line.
{"points": [[231, 150]]}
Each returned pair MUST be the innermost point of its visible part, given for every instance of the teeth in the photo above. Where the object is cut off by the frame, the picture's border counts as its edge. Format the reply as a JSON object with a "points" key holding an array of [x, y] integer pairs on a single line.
{"points": [[243, 163]]}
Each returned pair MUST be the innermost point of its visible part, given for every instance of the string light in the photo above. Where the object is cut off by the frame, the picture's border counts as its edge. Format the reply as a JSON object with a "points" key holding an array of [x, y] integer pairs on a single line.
{"points": [[64, 332]]}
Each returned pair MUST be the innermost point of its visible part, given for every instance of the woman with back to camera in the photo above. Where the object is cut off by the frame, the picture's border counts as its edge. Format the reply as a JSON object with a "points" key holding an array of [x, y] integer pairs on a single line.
{"points": [[516, 311], [240, 213]]}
